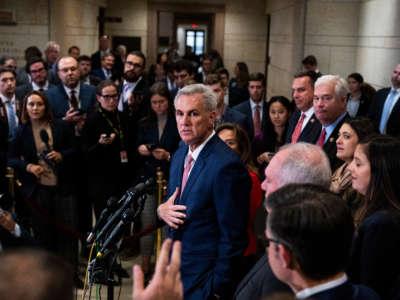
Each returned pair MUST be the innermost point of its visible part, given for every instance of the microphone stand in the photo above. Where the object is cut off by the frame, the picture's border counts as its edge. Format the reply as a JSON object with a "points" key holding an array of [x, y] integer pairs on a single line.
{"points": [[101, 269]]}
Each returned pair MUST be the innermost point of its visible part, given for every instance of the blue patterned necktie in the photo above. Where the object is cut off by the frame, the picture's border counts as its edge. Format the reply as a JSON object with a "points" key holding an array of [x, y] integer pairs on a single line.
{"points": [[387, 109], [12, 122]]}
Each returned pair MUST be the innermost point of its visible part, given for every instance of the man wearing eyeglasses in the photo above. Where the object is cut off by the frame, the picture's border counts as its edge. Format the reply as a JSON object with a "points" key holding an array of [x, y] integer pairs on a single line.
{"points": [[134, 86], [38, 70], [294, 163], [309, 251], [70, 100]]}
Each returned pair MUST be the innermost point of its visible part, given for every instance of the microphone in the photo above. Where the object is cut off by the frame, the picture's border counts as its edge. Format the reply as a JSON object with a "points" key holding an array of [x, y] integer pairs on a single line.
{"points": [[112, 204], [132, 193], [45, 139], [126, 217]]}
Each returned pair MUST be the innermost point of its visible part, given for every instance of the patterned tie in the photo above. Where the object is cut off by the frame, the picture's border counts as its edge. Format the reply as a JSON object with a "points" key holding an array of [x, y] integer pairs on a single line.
{"points": [[186, 172], [321, 139], [257, 120], [297, 130], [387, 109], [73, 101], [12, 122]]}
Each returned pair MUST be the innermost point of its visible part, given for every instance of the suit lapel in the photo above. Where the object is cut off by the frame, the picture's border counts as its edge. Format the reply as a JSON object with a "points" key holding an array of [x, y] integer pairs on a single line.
{"points": [[197, 168]]}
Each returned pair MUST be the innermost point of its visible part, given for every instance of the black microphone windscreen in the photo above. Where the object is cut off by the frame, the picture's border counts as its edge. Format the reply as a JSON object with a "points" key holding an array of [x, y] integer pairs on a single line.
{"points": [[44, 136]]}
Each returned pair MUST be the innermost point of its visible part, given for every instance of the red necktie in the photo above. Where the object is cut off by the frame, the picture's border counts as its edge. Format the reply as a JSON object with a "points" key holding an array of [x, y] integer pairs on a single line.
{"points": [[73, 100], [257, 120], [321, 139], [297, 130], [186, 172]]}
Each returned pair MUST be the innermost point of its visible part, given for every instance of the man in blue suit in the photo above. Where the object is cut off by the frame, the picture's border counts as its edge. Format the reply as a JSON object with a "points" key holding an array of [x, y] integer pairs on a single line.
{"points": [[385, 107], [208, 200], [310, 249], [70, 99]]}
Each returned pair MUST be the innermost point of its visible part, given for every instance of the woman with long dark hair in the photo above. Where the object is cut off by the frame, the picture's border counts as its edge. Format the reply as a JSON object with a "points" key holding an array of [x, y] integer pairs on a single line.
{"points": [[375, 172], [157, 139], [279, 110], [42, 155], [350, 133], [238, 85], [236, 138], [358, 101]]}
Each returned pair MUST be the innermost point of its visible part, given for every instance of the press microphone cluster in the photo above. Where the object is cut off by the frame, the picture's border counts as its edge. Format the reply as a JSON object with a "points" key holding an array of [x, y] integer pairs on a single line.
{"points": [[117, 214]]}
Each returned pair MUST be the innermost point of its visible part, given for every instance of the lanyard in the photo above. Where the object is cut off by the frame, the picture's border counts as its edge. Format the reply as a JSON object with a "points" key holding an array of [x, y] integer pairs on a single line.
{"points": [[118, 132]]}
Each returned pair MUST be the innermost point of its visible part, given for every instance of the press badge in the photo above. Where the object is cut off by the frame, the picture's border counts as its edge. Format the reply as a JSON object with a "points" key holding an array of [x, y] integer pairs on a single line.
{"points": [[124, 157]]}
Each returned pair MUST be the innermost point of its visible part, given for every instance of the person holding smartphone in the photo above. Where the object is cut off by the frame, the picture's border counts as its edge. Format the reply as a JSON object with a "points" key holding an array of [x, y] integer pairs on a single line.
{"points": [[157, 140], [107, 144]]}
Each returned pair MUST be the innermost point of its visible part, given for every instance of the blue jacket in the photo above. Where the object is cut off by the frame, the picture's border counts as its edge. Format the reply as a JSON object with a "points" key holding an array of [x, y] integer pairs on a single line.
{"points": [[59, 101], [214, 234]]}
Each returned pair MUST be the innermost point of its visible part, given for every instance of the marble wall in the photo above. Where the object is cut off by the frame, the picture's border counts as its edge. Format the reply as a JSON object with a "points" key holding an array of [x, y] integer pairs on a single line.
{"points": [[245, 34], [31, 27]]}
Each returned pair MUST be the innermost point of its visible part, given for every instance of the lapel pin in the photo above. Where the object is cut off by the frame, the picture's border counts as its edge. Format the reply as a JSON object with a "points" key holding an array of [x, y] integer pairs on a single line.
{"points": [[331, 139]]}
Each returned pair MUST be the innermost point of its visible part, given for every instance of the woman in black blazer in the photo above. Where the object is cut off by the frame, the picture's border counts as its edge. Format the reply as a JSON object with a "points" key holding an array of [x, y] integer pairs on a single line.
{"points": [[42, 155], [157, 139], [358, 100], [375, 261], [107, 144]]}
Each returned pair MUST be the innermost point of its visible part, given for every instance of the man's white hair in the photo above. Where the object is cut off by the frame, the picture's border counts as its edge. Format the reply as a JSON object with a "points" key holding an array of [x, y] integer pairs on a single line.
{"points": [[52, 44], [305, 163], [209, 97], [340, 84]]}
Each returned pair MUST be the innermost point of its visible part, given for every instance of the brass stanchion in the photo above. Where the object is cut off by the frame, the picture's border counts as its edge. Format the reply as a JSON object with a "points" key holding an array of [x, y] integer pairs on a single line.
{"points": [[159, 200]]}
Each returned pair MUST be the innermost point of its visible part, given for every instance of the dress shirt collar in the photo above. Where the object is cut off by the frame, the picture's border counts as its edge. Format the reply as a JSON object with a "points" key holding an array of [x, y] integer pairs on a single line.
{"points": [[35, 87], [253, 105], [308, 292], [5, 99], [106, 72], [195, 154], [331, 127], [76, 89], [308, 116]]}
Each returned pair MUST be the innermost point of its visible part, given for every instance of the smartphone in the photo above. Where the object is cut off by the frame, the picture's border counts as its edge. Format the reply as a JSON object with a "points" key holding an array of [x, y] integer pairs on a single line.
{"points": [[106, 139], [80, 111], [151, 147]]}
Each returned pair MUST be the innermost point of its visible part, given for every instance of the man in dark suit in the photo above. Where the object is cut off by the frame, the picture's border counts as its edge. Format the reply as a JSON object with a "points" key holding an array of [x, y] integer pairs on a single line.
{"points": [[330, 96], [10, 105], [303, 125], [105, 47], [294, 163], [385, 107], [85, 68], [255, 108], [224, 113], [310, 250], [134, 88], [106, 70], [71, 100], [206, 68], [38, 70], [208, 204]]}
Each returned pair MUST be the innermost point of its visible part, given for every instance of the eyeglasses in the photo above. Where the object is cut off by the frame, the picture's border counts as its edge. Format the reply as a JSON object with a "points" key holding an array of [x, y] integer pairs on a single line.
{"points": [[131, 64], [37, 71], [268, 241], [110, 97]]}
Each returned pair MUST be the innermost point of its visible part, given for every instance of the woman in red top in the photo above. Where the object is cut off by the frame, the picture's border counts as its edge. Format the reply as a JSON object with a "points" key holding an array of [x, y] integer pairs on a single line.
{"points": [[236, 138]]}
